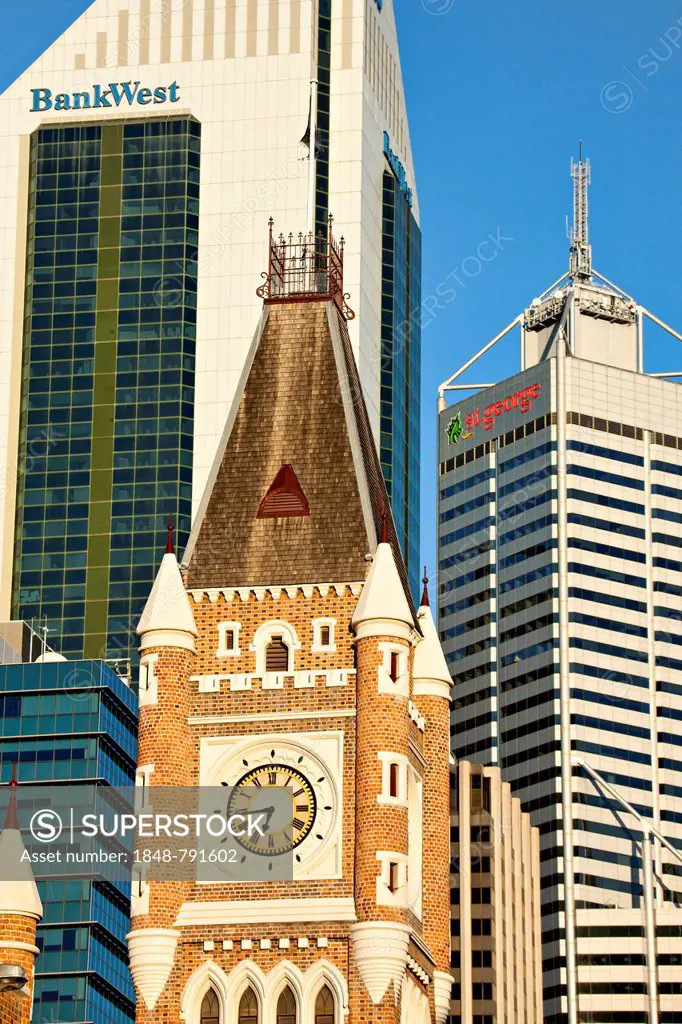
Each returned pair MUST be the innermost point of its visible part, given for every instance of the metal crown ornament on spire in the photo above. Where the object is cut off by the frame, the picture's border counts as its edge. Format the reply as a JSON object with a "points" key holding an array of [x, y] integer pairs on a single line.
{"points": [[305, 268]]}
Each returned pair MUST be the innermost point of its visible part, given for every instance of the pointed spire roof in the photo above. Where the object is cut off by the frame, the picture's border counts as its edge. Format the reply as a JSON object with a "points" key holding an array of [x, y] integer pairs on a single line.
{"points": [[167, 619], [18, 890], [170, 546], [383, 606], [430, 670], [298, 429], [425, 592]]}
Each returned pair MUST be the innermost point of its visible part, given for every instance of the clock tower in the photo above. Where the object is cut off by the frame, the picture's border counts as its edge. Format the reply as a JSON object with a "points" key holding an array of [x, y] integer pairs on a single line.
{"points": [[284, 653]]}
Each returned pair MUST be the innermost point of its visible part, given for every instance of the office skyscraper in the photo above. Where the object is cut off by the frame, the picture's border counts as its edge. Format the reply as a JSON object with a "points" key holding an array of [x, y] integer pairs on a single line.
{"points": [[64, 724], [141, 158], [496, 953], [559, 548]]}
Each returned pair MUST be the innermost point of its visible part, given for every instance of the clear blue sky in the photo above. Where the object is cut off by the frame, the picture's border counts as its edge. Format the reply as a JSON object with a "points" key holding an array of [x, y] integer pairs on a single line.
{"points": [[499, 95]]}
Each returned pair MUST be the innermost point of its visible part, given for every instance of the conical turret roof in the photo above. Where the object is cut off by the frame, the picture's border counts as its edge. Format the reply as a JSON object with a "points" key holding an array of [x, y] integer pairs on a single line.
{"points": [[18, 890]]}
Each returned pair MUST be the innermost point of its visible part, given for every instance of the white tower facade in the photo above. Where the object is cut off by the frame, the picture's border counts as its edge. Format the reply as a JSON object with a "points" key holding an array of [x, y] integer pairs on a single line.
{"points": [[178, 128]]}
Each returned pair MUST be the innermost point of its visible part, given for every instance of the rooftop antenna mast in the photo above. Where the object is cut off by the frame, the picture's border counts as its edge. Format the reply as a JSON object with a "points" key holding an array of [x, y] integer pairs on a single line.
{"points": [[579, 235]]}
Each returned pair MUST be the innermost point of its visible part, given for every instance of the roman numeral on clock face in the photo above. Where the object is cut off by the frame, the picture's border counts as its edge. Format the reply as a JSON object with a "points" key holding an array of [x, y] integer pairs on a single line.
{"points": [[272, 778], [297, 824]]}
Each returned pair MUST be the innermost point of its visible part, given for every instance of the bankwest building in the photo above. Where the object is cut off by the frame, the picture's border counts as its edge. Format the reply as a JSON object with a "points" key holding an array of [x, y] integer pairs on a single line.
{"points": [[140, 159]]}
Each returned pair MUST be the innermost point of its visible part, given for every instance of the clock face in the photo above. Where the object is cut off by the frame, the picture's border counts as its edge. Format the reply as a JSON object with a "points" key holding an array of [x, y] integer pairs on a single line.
{"points": [[287, 822], [294, 788], [295, 782]]}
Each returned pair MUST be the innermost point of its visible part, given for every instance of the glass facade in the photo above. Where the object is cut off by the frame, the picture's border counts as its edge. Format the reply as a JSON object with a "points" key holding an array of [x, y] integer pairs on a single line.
{"points": [[401, 368], [106, 429], [324, 57], [64, 723]]}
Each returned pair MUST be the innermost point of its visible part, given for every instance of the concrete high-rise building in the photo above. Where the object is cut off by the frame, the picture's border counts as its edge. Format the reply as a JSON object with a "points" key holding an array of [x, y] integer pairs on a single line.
{"points": [[141, 157], [560, 579], [495, 902]]}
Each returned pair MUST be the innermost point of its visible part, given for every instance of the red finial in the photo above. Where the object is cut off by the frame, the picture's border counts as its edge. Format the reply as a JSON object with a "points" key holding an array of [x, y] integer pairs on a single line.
{"points": [[425, 595], [170, 547], [12, 819]]}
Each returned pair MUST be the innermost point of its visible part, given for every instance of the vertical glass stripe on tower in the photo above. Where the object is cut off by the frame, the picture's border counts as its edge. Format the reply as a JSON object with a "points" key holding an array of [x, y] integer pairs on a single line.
{"points": [[400, 368], [106, 428], [324, 56]]}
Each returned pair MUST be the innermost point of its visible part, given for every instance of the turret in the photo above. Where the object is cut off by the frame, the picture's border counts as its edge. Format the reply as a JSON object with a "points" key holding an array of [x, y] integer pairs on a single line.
{"points": [[167, 652], [384, 625], [20, 912], [432, 683]]}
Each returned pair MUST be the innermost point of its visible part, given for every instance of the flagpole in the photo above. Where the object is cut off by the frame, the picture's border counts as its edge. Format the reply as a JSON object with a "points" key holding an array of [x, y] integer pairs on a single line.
{"points": [[312, 156]]}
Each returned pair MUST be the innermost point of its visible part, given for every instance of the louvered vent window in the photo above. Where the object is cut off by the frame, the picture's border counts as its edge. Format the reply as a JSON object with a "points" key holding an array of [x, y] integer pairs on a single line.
{"points": [[276, 655], [285, 498]]}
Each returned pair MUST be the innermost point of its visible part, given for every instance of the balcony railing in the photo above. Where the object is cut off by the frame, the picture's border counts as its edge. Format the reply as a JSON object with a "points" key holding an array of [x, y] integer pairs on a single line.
{"points": [[305, 268]]}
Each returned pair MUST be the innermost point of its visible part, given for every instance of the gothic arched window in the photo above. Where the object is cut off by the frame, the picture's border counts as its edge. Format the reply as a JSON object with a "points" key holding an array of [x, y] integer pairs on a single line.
{"points": [[324, 1006], [248, 1007], [210, 1009], [277, 655], [286, 1007]]}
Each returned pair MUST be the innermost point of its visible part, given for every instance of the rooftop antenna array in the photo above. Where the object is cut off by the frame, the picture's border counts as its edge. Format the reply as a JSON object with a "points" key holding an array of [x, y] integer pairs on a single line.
{"points": [[579, 235], [603, 293]]}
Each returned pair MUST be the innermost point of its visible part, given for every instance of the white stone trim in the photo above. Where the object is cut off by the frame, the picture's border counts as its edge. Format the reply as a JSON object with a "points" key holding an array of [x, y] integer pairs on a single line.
{"points": [[285, 973], [143, 774], [223, 629], [401, 686], [414, 1004], [271, 716], [442, 990], [416, 716], [418, 971], [323, 972], [208, 975], [168, 638], [275, 592], [318, 647], [267, 987], [275, 911], [206, 684], [432, 688], [25, 947], [152, 953], [148, 682], [383, 627], [140, 893], [384, 896], [305, 679], [384, 798], [261, 639], [380, 952]]}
